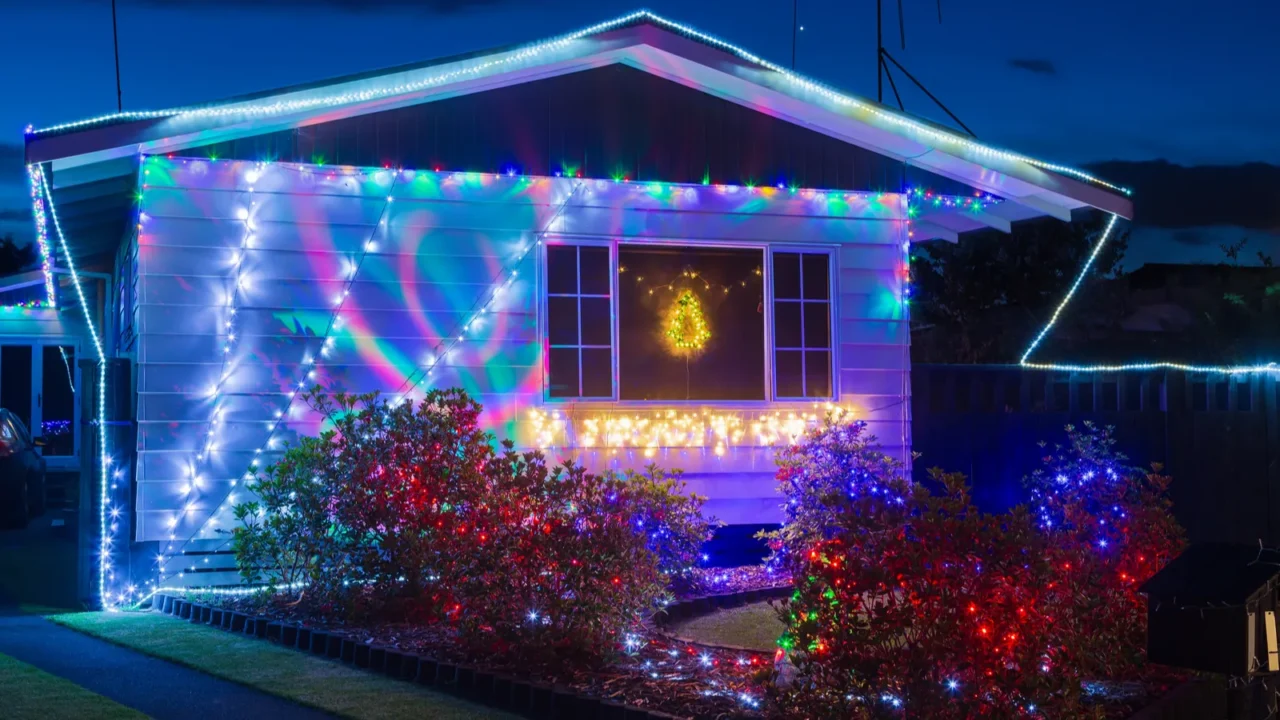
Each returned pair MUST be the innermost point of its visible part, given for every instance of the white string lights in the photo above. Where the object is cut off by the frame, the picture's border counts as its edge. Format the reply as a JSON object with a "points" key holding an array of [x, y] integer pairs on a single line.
{"points": [[506, 277], [108, 514], [485, 65], [501, 284], [308, 366], [1053, 319]]}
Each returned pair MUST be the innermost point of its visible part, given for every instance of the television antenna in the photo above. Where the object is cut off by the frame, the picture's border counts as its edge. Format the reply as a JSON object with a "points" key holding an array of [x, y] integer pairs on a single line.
{"points": [[884, 59]]}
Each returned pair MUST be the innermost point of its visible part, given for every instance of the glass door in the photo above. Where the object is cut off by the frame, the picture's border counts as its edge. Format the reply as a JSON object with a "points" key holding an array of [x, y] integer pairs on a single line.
{"points": [[38, 383], [56, 404], [17, 391]]}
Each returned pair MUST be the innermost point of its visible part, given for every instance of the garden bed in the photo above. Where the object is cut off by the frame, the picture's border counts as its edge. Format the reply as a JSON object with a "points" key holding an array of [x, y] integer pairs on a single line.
{"points": [[659, 676]]}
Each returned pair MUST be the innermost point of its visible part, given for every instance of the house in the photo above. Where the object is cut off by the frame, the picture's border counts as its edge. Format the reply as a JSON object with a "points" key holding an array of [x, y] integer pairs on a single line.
{"points": [[636, 243]]}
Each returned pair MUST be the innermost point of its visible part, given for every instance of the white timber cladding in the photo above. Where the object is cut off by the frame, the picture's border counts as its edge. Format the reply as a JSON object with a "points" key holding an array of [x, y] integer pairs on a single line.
{"points": [[447, 239]]}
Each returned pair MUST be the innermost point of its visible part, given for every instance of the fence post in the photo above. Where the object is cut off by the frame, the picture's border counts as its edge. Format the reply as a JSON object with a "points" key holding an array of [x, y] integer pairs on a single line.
{"points": [[1267, 400]]}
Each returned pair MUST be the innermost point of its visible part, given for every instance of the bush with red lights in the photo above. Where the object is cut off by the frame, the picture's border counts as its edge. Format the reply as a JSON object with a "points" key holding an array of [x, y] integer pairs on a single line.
{"points": [[1110, 528], [910, 601], [410, 512]]}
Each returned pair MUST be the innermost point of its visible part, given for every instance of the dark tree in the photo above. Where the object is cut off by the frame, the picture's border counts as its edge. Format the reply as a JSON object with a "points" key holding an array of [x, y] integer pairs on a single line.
{"points": [[15, 258], [981, 300]]}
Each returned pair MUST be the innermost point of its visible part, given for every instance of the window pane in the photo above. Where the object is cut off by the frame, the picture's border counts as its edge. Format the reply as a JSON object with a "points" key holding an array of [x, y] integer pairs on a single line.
{"points": [[595, 321], [15, 381], [787, 368], [562, 373], [786, 324], [817, 279], [594, 266], [562, 320], [727, 364], [597, 373], [562, 269], [817, 325], [58, 401], [786, 275], [817, 373]]}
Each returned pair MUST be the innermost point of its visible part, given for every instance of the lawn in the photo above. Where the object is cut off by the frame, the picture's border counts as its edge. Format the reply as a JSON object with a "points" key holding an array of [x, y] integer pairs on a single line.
{"points": [[29, 692], [307, 680], [755, 626]]}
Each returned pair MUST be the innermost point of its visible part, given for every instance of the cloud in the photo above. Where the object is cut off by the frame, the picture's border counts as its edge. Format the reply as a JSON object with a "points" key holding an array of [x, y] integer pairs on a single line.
{"points": [[1036, 66], [430, 7], [15, 214], [1166, 195]]}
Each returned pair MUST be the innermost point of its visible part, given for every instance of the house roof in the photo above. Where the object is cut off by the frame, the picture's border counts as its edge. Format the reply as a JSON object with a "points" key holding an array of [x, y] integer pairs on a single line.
{"points": [[98, 152], [1215, 574]]}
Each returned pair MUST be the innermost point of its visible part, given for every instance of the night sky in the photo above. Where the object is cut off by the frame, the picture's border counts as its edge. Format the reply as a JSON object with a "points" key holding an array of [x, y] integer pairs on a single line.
{"points": [[1083, 82]]}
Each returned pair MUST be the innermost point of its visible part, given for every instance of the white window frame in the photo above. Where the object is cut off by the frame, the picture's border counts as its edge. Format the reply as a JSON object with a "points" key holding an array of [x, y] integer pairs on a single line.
{"points": [[614, 244], [831, 320]]}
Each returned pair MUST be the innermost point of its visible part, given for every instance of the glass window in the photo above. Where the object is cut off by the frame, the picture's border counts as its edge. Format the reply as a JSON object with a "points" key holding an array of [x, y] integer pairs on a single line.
{"points": [[690, 323], [579, 330], [58, 400], [802, 324]]}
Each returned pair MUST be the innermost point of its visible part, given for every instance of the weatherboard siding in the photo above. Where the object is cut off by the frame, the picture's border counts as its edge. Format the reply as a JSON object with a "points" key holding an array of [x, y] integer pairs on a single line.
{"points": [[446, 239]]}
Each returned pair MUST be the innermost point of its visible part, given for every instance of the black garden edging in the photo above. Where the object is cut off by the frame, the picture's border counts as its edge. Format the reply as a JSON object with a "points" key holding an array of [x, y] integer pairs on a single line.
{"points": [[523, 697]]}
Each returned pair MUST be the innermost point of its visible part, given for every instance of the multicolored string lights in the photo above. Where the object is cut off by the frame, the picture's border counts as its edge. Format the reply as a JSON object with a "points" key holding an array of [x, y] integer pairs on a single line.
{"points": [[34, 182]]}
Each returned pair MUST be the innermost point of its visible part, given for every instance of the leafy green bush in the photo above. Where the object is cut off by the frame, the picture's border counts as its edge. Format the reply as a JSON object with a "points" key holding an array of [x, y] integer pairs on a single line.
{"points": [[286, 538]]}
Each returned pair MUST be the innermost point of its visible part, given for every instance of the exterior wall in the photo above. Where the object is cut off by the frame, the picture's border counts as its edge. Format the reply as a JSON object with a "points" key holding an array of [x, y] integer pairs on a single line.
{"points": [[416, 268], [41, 322]]}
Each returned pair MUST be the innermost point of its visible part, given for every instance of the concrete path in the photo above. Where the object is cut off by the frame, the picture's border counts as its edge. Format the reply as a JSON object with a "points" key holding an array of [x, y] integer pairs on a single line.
{"points": [[151, 686]]}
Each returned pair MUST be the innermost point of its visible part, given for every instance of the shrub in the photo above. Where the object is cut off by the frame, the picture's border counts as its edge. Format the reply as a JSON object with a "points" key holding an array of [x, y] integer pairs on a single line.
{"points": [[403, 481], [286, 539], [408, 511], [556, 568], [833, 468], [910, 600], [1110, 527], [907, 599], [670, 519]]}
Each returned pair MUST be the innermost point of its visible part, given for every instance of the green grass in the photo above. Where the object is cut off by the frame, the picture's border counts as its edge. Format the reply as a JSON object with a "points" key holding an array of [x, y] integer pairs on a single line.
{"points": [[307, 680], [754, 626], [29, 692]]}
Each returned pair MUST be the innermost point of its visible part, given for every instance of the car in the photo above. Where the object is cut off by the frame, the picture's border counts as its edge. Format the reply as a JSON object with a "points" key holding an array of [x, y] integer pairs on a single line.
{"points": [[22, 473]]}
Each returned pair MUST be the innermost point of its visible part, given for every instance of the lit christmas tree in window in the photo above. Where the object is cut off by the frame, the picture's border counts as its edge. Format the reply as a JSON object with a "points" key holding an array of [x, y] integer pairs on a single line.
{"points": [[687, 326]]}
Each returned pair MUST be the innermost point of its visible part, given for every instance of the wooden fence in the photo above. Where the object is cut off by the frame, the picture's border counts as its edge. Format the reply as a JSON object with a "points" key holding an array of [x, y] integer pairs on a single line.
{"points": [[1218, 436]]}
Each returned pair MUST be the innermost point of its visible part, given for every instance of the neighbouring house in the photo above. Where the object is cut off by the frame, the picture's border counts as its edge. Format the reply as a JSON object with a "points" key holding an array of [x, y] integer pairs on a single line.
{"points": [[633, 244]]}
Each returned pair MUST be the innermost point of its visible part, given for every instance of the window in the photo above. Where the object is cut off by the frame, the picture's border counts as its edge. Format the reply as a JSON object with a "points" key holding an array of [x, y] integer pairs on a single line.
{"points": [[661, 322], [579, 322], [802, 324], [126, 298], [690, 323]]}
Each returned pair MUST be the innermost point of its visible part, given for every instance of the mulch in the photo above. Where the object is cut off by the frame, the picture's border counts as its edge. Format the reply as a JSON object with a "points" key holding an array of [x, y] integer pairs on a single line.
{"points": [[654, 671]]}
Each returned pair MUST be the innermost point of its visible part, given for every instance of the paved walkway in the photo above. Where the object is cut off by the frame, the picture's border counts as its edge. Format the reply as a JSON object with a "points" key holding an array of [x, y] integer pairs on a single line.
{"points": [[151, 686]]}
